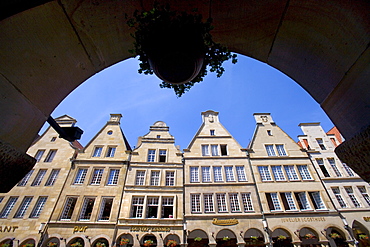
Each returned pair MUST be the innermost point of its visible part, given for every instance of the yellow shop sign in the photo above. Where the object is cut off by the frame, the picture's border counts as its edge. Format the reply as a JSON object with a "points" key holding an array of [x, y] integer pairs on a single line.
{"points": [[228, 222]]}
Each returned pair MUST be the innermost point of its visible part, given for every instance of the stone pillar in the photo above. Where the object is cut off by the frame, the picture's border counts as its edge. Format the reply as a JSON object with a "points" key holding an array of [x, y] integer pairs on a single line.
{"points": [[241, 244], [296, 244], [212, 244]]}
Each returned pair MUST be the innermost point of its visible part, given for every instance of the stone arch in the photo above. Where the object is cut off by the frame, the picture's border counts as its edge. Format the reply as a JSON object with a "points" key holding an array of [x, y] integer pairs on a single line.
{"points": [[281, 238], [100, 242], [361, 233], [76, 241], [52, 241], [226, 237], [309, 237], [254, 237], [122, 240], [149, 237], [29, 242], [197, 238], [336, 237], [174, 237], [8, 241]]}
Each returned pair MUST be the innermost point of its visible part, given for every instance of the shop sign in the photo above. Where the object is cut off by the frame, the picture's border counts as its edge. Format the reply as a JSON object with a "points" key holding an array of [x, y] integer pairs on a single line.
{"points": [[228, 222], [79, 229], [367, 219], [8, 228], [149, 228], [303, 219]]}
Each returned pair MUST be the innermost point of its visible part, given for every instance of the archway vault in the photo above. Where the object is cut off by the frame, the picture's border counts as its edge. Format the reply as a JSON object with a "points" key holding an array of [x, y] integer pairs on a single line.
{"points": [[48, 48]]}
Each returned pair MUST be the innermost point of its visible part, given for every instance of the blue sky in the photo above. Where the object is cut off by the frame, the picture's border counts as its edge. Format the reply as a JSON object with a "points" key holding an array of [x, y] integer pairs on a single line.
{"points": [[246, 87]]}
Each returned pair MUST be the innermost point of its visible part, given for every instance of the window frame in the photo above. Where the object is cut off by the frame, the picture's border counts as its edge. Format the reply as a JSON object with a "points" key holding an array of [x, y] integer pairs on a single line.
{"points": [[69, 207], [39, 177], [50, 156], [22, 209], [113, 176], [98, 150], [39, 206], [52, 177], [80, 176], [140, 177], [97, 176]]}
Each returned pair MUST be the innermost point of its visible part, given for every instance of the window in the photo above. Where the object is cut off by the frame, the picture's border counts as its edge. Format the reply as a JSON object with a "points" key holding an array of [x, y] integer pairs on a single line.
{"points": [[40, 175], [364, 194], [223, 150], [278, 173], [288, 201], [291, 173], [208, 203], [8, 207], [97, 151], [53, 139], [1, 199], [151, 155], [348, 170], [269, 132], [281, 150], [68, 208], [270, 150], [247, 202], [194, 174], [97, 176], [113, 177], [206, 174], [334, 167], [303, 171], [137, 207], [152, 207], [140, 177], [110, 152], [158, 136], [217, 174], [87, 208], [240, 172], [81, 175], [214, 150], [221, 203], [317, 201], [264, 173], [205, 151], [23, 207], [52, 177], [154, 178], [352, 196], [39, 155], [195, 203], [229, 173], [273, 201], [162, 155], [321, 143], [212, 132], [303, 201], [167, 207], [339, 198], [105, 208], [38, 207], [50, 156], [322, 167], [170, 178], [24, 180], [234, 202]]}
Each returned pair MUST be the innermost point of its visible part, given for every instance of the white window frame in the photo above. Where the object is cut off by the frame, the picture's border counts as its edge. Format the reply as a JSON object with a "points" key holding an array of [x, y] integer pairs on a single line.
{"points": [[151, 155], [280, 150], [304, 172], [275, 201], [194, 174], [69, 207], [154, 178], [8, 207], [217, 174], [206, 174], [334, 167], [264, 173], [25, 179], [110, 152], [97, 176], [170, 178], [348, 170], [83, 217], [162, 153], [338, 196], [113, 176], [52, 177], [39, 177], [240, 172], [221, 203], [214, 150], [80, 176], [365, 195], [39, 206], [304, 201], [247, 202], [290, 201], [291, 173], [208, 203], [39, 154], [229, 174], [102, 207], [234, 202], [51, 155], [23, 207], [318, 200], [205, 150], [138, 203], [352, 196], [97, 151], [278, 173], [270, 150], [195, 203], [140, 177]]}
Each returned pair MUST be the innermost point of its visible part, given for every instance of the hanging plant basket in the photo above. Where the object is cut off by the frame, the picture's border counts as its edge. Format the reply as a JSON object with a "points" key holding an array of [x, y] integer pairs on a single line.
{"points": [[177, 47]]}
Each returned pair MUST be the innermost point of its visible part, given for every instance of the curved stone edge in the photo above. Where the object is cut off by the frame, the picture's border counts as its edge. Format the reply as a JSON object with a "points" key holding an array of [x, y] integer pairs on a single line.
{"points": [[14, 165]]}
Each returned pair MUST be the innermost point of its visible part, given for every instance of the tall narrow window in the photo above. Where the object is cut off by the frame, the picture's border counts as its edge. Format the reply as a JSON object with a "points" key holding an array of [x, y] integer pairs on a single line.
{"points": [[167, 207], [273, 201], [110, 152], [348, 170], [221, 203], [317, 201], [281, 150], [303, 171], [264, 173], [25, 179], [208, 203], [223, 149], [303, 201], [152, 207], [194, 174], [162, 155], [364, 194], [40, 175], [322, 167], [154, 178], [50, 156], [8, 207], [339, 197], [97, 176], [214, 150], [212, 132], [352, 196], [288, 201], [39, 155], [195, 203], [52, 177], [170, 178], [87, 208], [270, 150], [217, 174], [113, 177], [97, 151], [229, 173], [247, 202], [140, 177], [38, 207], [1, 199], [334, 167], [23, 207], [151, 155], [234, 202], [321, 143], [68, 208], [137, 207], [240, 172], [206, 174], [278, 173], [105, 208], [291, 173], [205, 151], [81, 175]]}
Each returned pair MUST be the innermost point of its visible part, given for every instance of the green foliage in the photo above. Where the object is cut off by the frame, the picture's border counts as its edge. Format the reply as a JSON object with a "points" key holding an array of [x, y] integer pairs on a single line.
{"points": [[161, 18]]}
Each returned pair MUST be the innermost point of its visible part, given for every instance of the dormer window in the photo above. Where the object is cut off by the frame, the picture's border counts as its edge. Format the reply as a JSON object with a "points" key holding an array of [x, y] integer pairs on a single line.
{"points": [[162, 155], [110, 152], [212, 132], [269, 132], [321, 143]]}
